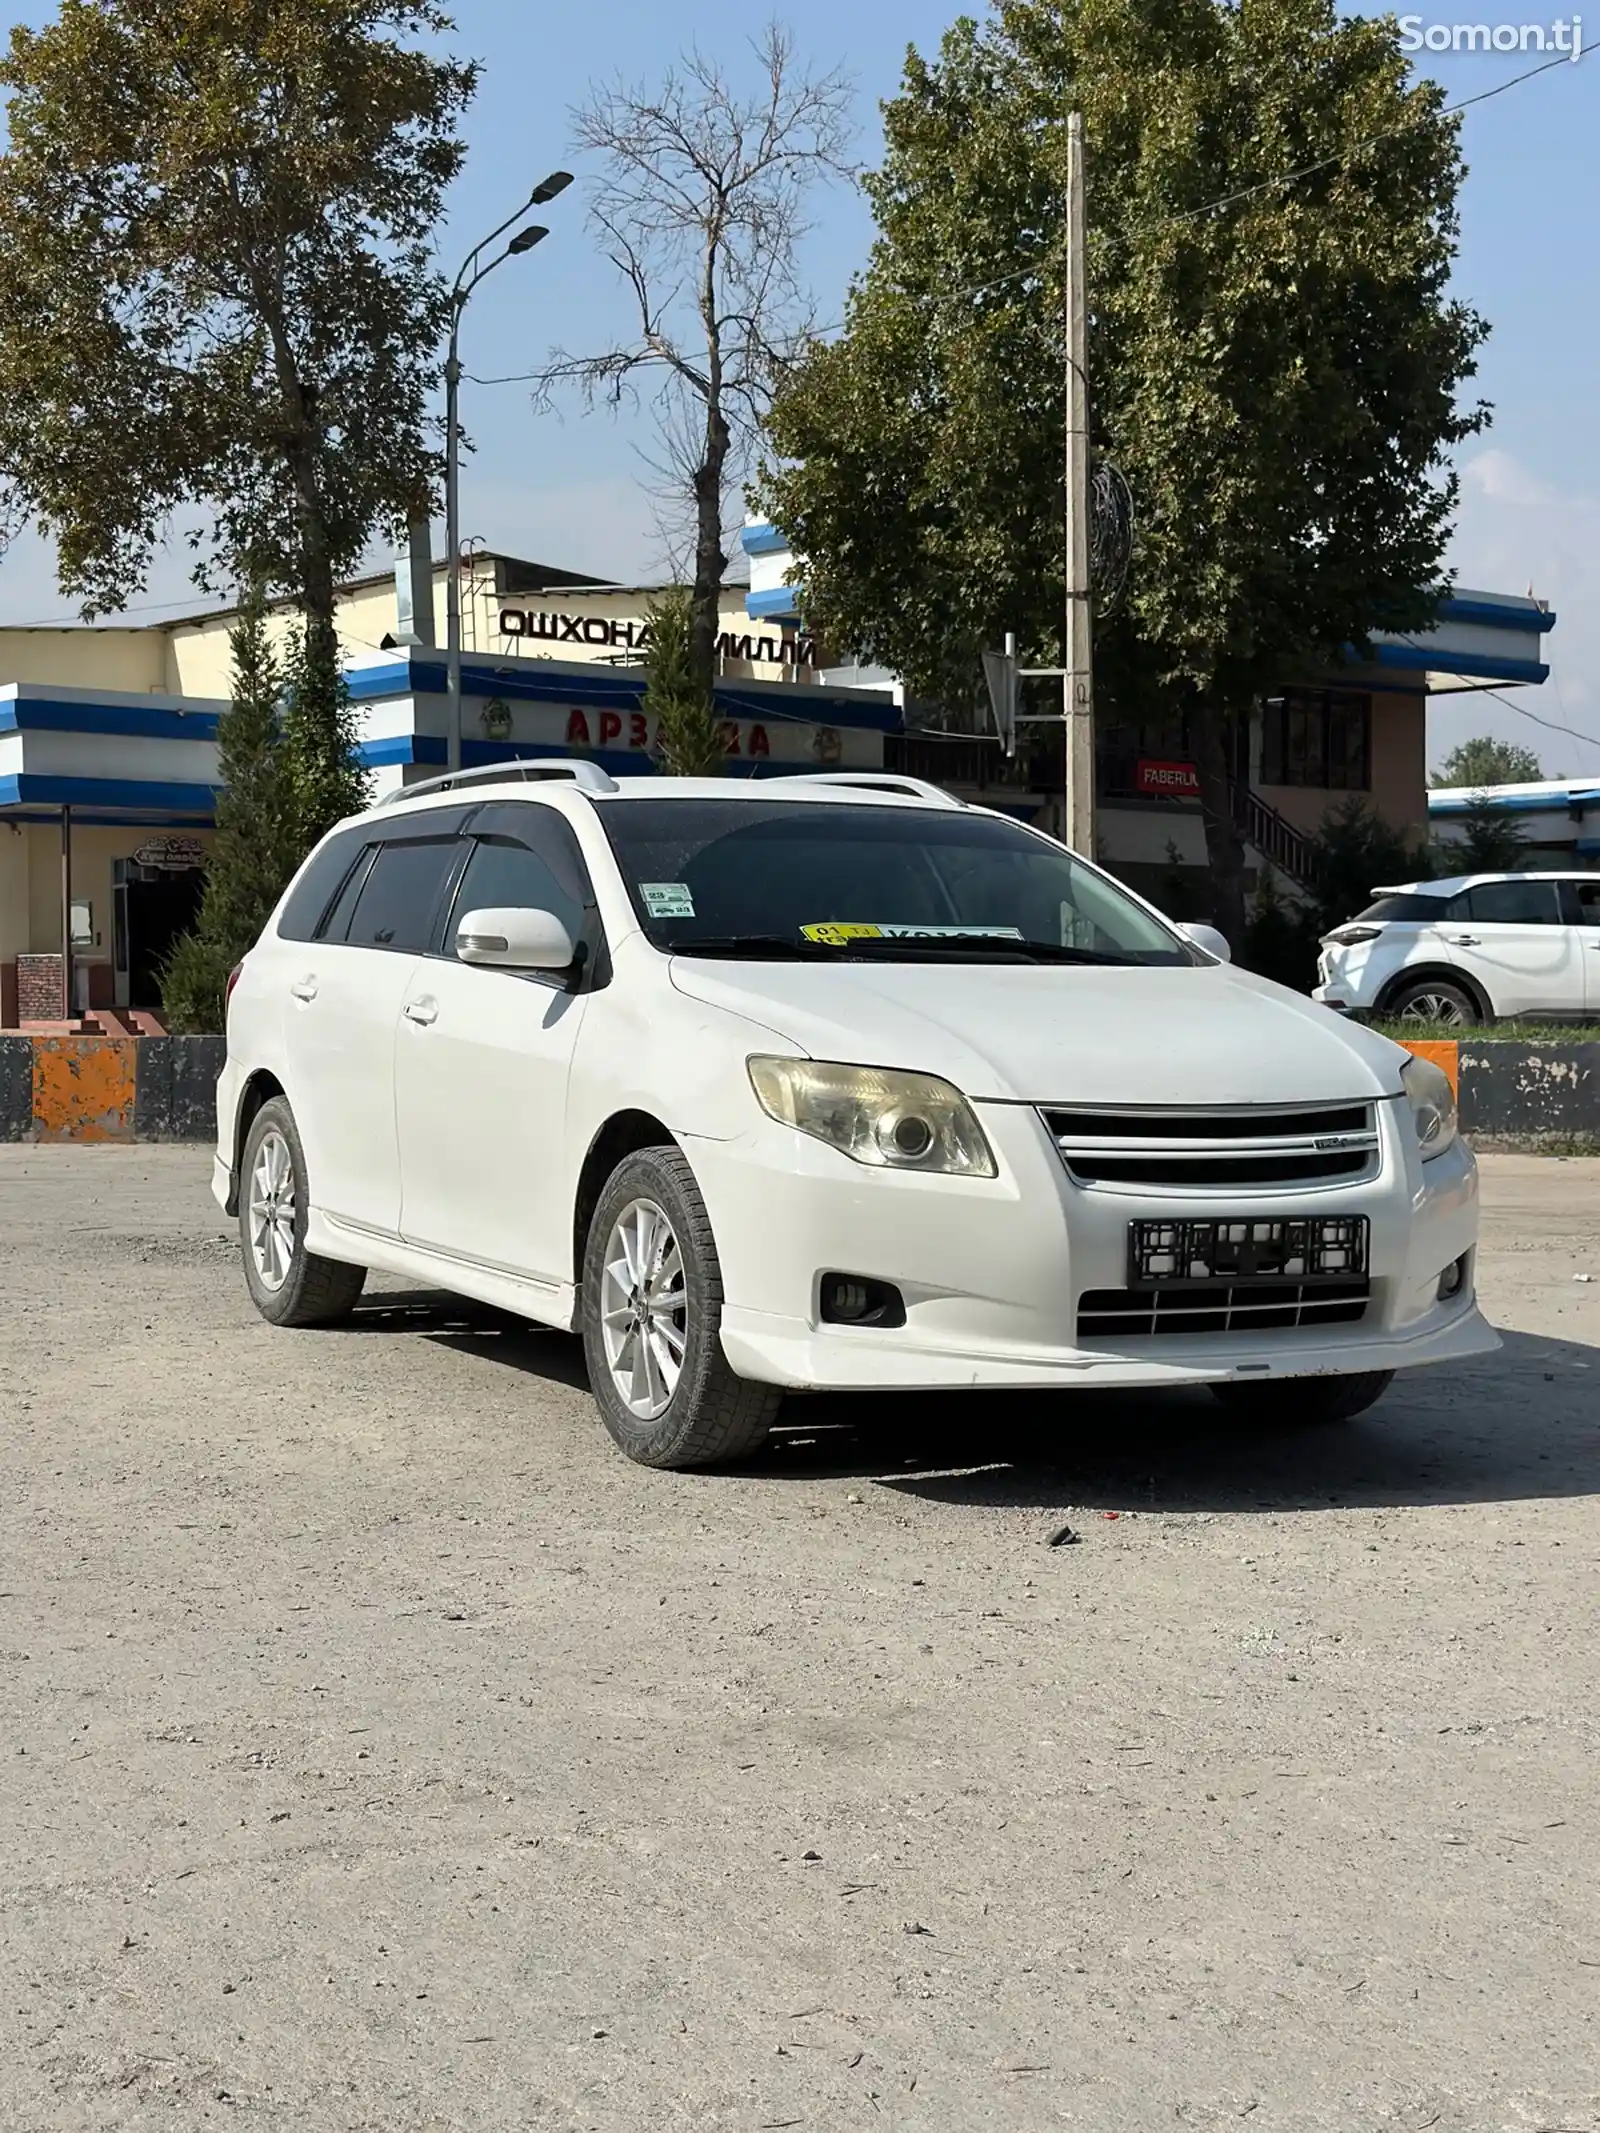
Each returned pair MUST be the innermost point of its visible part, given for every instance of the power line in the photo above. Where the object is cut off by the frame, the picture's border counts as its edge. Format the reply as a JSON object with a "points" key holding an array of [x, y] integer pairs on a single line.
{"points": [[1550, 725], [1250, 192], [142, 607], [1371, 140]]}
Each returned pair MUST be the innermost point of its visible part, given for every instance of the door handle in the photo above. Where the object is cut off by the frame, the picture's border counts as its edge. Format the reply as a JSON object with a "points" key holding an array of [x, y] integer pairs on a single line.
{"points": [[1465, 940], [423, 1011], [304, 988]]}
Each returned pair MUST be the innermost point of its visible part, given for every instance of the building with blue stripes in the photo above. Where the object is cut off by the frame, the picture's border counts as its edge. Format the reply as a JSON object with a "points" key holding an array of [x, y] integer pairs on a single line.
{"points": [[1558, 819], [108, 754]]}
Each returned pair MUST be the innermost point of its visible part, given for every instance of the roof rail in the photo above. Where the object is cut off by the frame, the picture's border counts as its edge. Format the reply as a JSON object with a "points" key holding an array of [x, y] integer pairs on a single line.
{"points": [[533, 770], [889, 781]]}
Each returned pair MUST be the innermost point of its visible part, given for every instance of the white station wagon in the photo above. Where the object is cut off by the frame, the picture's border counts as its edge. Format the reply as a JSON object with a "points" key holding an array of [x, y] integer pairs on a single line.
{"points": [[823, 1081]]}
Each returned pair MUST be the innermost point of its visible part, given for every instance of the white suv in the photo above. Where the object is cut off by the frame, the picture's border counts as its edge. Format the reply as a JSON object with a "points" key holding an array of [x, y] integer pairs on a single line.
{"points": [[1469, 949], [822, 1082]]}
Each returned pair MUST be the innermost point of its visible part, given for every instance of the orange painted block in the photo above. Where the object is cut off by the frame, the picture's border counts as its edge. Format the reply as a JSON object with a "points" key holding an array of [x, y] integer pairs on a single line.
{"points": [[1444, 1052], [83, 1088]]}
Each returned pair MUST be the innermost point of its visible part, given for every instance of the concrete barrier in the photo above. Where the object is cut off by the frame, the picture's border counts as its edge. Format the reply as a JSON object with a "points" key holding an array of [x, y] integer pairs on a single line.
{"points": [[83, 1088], [1513, 1090], [16, 1088], [109, 1088], [176, 1095]]}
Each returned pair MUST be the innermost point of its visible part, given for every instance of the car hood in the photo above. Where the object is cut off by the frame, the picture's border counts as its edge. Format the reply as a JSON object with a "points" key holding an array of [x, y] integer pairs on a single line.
{"points": [[1068, 1034]]}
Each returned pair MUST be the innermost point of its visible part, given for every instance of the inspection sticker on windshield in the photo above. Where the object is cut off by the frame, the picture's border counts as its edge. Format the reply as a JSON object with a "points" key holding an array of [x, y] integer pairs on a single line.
{"points": [[667, 899], [836, 933]]}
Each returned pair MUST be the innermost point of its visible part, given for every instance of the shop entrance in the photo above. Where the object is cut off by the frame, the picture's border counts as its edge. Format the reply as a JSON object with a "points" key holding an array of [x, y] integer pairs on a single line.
{"points": [[151, 907]]}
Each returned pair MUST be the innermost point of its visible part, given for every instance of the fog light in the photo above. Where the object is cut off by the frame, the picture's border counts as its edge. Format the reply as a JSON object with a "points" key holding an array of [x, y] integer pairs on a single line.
{"points": [[1453, 1280], [856, 1300]]}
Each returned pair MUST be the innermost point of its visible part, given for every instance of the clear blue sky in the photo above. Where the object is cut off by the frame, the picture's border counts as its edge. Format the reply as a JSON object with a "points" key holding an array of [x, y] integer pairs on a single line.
{"points": [[572, 490]]}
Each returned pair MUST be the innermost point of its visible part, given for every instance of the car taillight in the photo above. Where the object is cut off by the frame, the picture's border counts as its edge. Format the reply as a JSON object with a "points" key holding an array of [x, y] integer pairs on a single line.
{"points": [[1347, 936], [233, 979]]}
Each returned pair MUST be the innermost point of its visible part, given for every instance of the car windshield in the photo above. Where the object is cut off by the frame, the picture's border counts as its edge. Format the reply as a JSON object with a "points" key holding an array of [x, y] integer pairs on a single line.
{"points": [[769, 878]]}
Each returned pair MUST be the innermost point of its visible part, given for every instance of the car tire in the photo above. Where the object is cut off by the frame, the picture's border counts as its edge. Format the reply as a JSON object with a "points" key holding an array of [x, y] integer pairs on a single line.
{"points": [[1435, 1000], [651, 1312], [1304, 1402], [288, 1285]]}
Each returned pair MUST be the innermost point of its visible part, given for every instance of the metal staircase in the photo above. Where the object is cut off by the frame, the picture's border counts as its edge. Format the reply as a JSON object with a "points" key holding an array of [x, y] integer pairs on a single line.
{"points": [[1274, 837]]}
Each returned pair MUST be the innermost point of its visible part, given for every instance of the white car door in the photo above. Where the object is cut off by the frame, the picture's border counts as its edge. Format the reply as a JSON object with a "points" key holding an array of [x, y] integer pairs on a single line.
{"points": [[483, 1060], [345, 991], [1512, 938], [1583, 908]]}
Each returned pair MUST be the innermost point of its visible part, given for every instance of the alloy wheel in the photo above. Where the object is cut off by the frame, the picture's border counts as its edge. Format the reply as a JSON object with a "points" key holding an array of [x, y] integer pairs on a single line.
{"points": [[644, 1309], [1434, 1007], [272, 1211]]}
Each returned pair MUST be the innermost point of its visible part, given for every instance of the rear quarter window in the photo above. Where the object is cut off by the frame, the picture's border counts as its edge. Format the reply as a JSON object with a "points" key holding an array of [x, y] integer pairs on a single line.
{"points": [[319, 884]]}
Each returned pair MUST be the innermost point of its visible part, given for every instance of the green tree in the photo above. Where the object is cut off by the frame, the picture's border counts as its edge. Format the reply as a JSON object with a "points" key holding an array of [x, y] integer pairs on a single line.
{"points": [[325, 782], [256, 847], [1485, 841], [1274, 366], [1484, 761], [691, 740], [217, 285]]}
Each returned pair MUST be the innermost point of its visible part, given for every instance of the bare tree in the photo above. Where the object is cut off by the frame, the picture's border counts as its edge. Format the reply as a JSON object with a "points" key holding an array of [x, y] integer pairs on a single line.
{"points": [[701, 206]]}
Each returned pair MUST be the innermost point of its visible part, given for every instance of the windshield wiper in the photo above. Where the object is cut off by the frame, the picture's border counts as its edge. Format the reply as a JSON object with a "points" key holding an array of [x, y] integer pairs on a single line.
{"points": [[1049, 952], [999, 946], [754, 945]]}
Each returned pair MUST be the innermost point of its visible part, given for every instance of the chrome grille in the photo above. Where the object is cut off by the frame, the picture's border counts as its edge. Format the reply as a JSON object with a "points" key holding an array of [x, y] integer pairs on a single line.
{"points": [[1206, 1152], [1180, 1307]]}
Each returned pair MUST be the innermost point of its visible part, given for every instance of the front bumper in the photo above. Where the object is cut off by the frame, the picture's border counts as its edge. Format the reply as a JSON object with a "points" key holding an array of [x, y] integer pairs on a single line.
{"points": [[992, 1269]]}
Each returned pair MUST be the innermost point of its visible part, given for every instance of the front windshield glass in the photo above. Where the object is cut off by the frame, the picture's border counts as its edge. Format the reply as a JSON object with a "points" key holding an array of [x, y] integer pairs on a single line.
{"points": [[800, 879]]}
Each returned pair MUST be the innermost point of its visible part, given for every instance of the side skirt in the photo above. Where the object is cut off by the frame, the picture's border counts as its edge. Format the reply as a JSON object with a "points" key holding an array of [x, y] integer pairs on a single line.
{"points": [[551, 1303]]}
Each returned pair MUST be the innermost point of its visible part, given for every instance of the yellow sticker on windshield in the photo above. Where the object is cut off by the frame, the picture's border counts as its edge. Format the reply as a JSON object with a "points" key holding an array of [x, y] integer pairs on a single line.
{"points": [[836, 933]]}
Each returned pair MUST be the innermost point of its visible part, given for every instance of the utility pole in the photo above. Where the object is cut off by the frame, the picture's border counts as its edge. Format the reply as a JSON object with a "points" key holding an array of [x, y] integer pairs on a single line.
{"points": [[452, 539], [1078, 676]]}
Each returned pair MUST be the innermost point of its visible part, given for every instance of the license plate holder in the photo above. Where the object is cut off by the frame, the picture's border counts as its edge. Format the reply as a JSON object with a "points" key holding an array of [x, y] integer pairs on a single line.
{"points": [[1259, 1248]]}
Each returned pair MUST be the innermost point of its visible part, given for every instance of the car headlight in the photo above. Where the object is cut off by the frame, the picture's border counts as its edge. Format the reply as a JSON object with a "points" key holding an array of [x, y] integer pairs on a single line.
{"points": [[1433, 1106], [876, 1115]]}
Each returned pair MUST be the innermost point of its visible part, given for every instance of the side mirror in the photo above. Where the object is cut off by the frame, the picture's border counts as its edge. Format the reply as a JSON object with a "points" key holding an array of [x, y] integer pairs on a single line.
{"points": [[515, 938], [1208, 938]]}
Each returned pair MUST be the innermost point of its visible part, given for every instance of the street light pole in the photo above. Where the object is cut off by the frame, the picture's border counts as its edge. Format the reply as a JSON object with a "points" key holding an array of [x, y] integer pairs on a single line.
{"points": [[452, 543], [467, 279]]}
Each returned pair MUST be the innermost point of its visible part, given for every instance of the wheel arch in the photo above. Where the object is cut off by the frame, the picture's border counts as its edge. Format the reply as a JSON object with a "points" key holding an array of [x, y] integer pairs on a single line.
{"points": [[260, 1089], [623, 1134], [1435, 973]]}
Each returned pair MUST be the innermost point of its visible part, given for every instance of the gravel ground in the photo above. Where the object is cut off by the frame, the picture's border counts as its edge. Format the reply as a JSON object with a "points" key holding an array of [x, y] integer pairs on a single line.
{"points": [[382, 1752]]}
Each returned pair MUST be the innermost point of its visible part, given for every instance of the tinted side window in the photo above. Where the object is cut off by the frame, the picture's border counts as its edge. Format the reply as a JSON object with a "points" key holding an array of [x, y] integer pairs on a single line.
{"points": [[317, 886], [396, 905], [336, 926], [1585, 896], [1517, 903], [501, 873]]}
